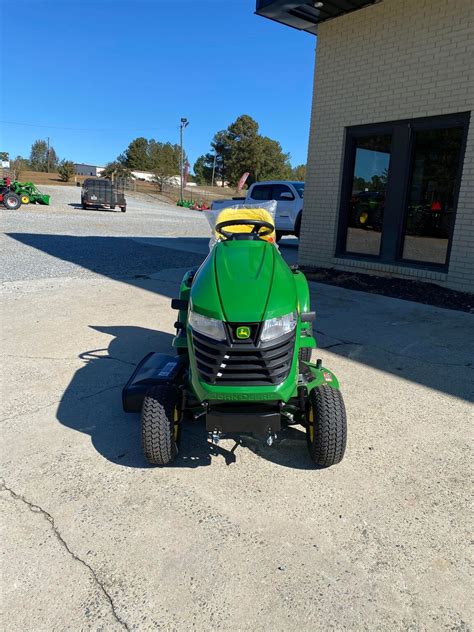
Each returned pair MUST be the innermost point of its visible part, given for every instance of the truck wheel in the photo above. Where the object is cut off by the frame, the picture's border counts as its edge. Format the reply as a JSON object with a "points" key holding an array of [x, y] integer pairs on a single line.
{"points": [[123, 209], [11, 201], [326, 430], [298, 225], [160, 422]]}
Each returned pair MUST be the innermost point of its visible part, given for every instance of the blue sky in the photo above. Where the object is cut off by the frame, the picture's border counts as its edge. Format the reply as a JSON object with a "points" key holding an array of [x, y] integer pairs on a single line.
{"points": [[112, 70]]}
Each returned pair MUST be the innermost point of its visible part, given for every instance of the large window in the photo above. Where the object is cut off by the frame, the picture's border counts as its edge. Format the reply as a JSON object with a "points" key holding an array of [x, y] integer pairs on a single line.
{"points": [[399, 191]]}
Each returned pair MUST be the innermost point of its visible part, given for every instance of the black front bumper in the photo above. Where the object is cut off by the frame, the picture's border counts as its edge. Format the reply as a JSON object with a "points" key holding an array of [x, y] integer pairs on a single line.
{"points": [[258, 421]]}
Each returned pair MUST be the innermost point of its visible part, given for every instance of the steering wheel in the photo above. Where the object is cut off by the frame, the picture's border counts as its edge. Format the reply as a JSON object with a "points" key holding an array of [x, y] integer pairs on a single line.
{"points": [[260, 228]]}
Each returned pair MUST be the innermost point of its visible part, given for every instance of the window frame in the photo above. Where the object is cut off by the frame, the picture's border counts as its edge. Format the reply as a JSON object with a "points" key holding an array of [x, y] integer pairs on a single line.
{"points": [[398, 185], [288, 190], [262, 186]]}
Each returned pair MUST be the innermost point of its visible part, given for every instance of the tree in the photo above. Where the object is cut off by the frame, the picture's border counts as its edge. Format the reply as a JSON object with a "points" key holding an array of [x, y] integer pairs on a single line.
{"points": [[66, 170], [18, 165], [137, 155], [202, 170], [41, 159], [299, 173], [241, 148], [4, 155], [165, 159], [116, 171]]}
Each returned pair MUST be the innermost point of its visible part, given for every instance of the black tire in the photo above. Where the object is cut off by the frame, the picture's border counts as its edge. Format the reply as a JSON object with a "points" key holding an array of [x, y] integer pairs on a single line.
{"points": [[11, 201], [305, 354], [84, 205], [123, 209], [326, 431], [298, 224], [160, 436]]}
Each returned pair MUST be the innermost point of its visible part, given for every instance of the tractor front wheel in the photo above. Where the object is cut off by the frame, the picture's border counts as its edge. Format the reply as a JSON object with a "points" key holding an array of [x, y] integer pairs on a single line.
{"points": [[326, 426], [25, 199], [160, 422]]}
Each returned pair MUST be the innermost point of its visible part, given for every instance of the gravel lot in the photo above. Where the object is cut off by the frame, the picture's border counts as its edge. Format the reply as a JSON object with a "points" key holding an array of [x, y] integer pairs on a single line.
{"points": [[255, 539]]}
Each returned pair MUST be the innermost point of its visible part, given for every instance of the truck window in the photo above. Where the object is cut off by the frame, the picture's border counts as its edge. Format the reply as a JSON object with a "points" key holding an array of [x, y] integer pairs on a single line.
{"points": [[262, 192], [278, 189]]}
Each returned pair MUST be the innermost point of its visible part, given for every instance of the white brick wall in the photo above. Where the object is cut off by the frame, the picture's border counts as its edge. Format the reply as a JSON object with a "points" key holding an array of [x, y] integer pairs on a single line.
{"points": [[394, 60]]}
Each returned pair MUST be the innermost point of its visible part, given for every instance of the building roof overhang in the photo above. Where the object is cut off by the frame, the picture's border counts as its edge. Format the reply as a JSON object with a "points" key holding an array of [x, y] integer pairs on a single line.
{"points": [[306, 16]]}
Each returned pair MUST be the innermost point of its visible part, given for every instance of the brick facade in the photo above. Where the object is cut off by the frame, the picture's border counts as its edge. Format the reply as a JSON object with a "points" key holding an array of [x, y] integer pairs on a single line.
{"points": [[398, 59]]}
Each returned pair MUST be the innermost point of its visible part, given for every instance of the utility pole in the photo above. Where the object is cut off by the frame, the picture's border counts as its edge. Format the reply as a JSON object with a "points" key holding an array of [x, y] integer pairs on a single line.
{"points": [[213, 168], [48, 156], [184, 123]]}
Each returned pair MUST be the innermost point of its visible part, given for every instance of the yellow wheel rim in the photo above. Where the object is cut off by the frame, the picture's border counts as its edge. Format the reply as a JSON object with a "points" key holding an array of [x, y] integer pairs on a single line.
{"points": [[363, 217], [25, 199], [176, 420], [311, 423]]}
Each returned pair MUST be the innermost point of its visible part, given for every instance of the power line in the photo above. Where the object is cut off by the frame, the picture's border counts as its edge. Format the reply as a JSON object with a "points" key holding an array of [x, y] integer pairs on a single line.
{"points": [[80, 129]]}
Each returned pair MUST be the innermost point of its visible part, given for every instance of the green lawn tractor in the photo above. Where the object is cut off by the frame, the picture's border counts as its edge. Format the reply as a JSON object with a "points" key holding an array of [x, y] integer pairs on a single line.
{"points": [[27, 192], [242, 352]]}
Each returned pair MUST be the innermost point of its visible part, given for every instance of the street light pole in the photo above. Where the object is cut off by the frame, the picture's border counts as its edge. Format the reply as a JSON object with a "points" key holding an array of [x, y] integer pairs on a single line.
{"points": [[184, 123]]}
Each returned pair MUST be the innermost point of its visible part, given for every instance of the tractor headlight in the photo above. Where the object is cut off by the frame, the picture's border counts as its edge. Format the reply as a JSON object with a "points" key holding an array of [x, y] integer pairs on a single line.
{"points": [[207, 326], [276, 327]]}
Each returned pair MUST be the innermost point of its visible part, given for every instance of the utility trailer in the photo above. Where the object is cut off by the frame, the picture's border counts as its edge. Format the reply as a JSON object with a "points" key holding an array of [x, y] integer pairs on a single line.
{"points": [[102, 193]]}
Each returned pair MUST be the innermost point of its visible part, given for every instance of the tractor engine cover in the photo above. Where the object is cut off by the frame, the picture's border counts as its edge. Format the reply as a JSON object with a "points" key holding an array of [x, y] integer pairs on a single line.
{"points": [[154, 369]]}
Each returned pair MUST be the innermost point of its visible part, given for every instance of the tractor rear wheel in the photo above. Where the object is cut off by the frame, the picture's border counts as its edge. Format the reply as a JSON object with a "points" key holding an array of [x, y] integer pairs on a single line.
{"points": [[326, 426], [160, 422], [11, 201]]}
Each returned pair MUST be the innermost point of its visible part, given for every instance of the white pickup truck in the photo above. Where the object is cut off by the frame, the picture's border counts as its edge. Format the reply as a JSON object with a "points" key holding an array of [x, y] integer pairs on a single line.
{"points": [[289, 198]]}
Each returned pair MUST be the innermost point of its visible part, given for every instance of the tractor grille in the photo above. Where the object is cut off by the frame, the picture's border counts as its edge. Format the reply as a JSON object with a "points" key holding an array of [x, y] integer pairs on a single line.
{"points": [[243, 363]]}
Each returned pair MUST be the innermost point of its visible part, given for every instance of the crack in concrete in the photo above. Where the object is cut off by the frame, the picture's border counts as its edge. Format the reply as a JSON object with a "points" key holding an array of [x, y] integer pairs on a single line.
{"points": [[49, 518]]}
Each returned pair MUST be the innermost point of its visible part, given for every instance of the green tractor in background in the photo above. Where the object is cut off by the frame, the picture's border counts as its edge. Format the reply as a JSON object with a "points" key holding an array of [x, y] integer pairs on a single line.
{"points": [[26, 191]]}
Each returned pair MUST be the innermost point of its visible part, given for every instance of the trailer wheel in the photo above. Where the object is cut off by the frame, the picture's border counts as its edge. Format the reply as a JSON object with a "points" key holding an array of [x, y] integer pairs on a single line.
{"points": [[11, 201], [25, 199], [160, 421], [326, 426]]}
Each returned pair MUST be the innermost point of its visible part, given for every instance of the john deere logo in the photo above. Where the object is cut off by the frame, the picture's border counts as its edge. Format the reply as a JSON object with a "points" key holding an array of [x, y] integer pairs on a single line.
{"points": [[243, 333]]}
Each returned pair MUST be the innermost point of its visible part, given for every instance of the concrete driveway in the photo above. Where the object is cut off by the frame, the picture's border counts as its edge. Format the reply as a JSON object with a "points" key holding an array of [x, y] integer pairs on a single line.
{"points": [[255, 539]]}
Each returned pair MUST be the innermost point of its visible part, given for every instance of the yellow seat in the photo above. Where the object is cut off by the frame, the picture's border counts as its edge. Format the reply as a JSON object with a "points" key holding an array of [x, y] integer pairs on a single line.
{"points": [[245, 213]]}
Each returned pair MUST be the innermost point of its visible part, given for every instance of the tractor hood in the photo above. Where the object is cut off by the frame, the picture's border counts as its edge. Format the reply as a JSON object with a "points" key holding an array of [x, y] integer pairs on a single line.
{"points": [[244, 281]]}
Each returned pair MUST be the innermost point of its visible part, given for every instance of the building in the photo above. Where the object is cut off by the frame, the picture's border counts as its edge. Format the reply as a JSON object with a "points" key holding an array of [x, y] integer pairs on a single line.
{"points": [[390, 173], [87, 170]]}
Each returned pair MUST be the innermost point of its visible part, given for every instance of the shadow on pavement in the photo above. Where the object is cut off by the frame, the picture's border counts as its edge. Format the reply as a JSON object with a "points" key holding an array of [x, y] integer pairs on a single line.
{"points": [[92, 404], [426, 345]]}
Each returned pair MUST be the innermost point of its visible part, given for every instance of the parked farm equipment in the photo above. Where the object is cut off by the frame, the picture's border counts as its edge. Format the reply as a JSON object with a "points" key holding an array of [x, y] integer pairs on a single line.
{"points": [[29, 193]]}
